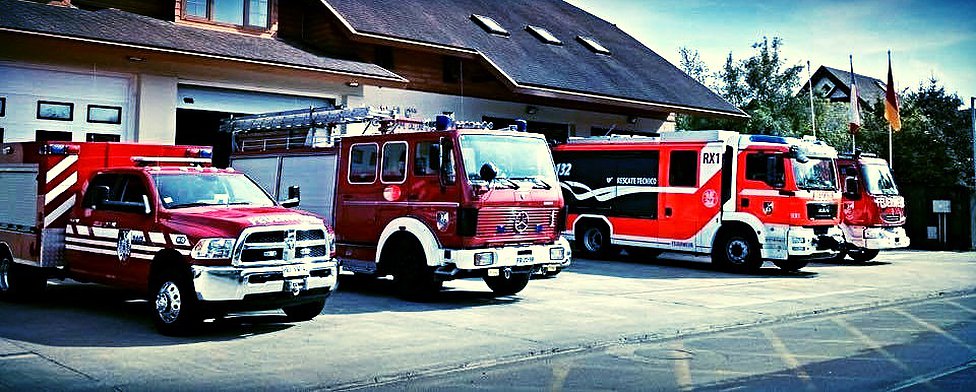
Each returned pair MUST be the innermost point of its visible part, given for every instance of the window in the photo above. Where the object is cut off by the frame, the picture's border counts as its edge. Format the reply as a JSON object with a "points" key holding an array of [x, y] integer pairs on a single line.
{"points": [[593, 45], [3, 106], [362, 163], [543, 35], [52, 136], [489, 25], [452, 69], [104, 114], [826, 89], [383, 56], [126, 193], [101, 137], [683, 170], [426, 159], [766, 168], [61, 111], [394, 162], [252, 13]]}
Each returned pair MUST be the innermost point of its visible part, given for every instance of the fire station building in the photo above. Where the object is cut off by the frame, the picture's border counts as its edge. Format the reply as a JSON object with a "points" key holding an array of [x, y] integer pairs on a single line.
{"points": [[167, 71]]}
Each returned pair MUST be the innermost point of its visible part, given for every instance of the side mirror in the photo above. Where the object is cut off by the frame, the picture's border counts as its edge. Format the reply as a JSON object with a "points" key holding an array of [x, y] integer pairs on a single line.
{"points": [[294, 197], [795, 153], [851, 188], [99, 196], [488, 172], [447, 174], [773, 175]]}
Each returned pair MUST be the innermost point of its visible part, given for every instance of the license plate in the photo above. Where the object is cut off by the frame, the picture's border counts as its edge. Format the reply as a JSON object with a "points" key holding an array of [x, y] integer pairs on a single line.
{"points": [[292, 271], [295, 286], [524, 259]]}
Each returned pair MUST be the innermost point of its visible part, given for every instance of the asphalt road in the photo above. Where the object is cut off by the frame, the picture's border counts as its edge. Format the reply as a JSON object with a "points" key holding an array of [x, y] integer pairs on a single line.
{"points": [[87, 337]]}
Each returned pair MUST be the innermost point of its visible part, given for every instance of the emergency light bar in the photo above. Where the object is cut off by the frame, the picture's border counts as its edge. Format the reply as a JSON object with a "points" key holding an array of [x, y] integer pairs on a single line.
{"points": [[59, 149], [147, 161]]}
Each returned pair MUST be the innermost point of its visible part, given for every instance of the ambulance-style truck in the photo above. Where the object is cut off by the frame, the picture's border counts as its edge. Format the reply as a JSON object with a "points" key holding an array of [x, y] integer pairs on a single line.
{"points": [[741, 198], [423, 202], [873, 211], [199, 241]]}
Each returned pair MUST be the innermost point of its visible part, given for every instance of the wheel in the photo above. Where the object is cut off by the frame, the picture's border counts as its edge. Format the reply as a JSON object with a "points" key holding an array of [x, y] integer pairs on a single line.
{"points": [[176, 310], [500, 285], [18, 281], [790, 265], [412, 277], [305, 311], [643, 253], [737, 252], [594, 242], [840, 256], [862, 255]]}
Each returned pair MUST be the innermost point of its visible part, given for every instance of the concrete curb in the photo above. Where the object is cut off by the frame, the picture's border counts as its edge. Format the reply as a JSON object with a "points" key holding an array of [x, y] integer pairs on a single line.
{"points": [[449, 368]]}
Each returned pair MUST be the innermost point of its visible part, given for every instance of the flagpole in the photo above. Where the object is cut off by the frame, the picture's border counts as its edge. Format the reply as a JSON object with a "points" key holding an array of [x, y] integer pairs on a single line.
{"points": [[813, 113], [891, 161], [853, 97]]}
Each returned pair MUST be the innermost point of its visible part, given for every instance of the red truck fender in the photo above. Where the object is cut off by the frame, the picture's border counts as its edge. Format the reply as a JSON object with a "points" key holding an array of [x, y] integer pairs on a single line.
{"points": [[419, 231]]}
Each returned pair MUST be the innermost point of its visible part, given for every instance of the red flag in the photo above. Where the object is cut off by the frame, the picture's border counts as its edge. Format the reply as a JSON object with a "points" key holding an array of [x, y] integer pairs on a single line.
{"points": [[891, 101]]}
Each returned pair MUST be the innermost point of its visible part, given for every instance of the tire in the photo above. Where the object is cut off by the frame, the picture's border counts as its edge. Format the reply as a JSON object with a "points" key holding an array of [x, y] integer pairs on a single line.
{"points": [[18, 281], [594, 242], [413, 279], [737, 253], [512, 285], [840, 256], [305, 311], [175, 308], [862, 255], [790, 265]]}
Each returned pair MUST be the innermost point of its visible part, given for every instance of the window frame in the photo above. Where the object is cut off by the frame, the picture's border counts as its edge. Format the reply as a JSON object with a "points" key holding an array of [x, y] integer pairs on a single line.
{"points": [[490, 25], [544, 35], [70, 105], [375, 166], [406, 162], [418, 151], [245, 16], [89, 136], [118, 110], [671, 167], [593, 45]]}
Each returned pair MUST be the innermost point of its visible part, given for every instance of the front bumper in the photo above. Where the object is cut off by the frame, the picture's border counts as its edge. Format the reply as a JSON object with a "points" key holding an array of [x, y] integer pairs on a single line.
{"points": [[804, 242], [512, 256], [234, 283], [882, 238]]}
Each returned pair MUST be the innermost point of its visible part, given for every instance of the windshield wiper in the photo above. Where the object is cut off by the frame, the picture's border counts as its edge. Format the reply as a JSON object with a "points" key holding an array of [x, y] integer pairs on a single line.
{"points": [[194, 204], [509, 183], [536, 181]]}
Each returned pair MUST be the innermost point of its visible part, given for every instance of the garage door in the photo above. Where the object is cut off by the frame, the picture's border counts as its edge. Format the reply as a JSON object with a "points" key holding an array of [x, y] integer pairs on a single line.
{"points": [[51, 104]]}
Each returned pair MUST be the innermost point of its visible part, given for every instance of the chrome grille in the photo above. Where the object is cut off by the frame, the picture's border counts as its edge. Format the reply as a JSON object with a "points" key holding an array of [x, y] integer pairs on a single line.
{"points": [[282, 244], [506, 223]]}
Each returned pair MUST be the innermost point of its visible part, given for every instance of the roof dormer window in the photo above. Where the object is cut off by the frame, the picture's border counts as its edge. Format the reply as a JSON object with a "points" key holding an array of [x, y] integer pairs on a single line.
{"points": [[543, 35], [593, 45], [247, 13], [489, 25]]}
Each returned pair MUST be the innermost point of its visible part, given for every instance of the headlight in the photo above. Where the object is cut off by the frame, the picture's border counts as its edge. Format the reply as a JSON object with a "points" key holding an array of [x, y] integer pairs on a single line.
{"points": [[213, 248], [557, 253], [484, 258], [332, 243]]}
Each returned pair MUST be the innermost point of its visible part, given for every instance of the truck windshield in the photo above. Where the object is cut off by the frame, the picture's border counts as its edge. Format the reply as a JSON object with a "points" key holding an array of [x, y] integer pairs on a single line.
{"points": [[816, 173], [181, 190], [878, 180], [517, 158]]}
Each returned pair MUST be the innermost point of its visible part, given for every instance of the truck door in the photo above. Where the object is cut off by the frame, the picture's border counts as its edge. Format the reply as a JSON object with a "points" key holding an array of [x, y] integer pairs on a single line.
{"points": [[114, 219], [359, 193], [681, 210]]}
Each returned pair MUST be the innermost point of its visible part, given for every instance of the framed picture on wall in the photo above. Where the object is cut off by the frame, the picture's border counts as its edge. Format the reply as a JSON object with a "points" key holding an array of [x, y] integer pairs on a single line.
{"points": [[60, 111], [101, 137], [104, 114], [3, 106]]}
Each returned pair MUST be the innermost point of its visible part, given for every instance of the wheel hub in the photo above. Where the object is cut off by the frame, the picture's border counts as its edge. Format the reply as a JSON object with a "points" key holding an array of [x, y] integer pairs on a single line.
{"points": [[738, 251], [168, 302], [593, 240]]}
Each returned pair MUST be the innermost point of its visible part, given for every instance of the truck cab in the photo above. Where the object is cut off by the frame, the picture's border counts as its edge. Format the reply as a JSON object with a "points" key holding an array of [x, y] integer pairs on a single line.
{"points": [[873, 210], [197, 240]]}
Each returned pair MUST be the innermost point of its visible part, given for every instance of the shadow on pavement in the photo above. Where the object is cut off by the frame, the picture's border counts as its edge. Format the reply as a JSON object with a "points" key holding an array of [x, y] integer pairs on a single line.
{"points": [[72, 314], [849, 263], [673, 266], [383, 298]]}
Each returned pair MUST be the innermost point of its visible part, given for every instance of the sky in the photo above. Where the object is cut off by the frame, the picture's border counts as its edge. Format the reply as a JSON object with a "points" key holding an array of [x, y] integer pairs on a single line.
{"points": [[926, 38]]}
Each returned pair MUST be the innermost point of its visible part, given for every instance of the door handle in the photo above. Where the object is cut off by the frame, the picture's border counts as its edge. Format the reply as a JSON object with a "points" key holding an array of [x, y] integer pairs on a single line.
{"points": [[667, 211], [745, 202]]}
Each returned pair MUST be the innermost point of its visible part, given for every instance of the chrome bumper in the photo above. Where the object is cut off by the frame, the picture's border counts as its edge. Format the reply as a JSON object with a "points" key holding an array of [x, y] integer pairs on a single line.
{"points": [[883, 238], [803, 241], [513, 256], [233, 283]]}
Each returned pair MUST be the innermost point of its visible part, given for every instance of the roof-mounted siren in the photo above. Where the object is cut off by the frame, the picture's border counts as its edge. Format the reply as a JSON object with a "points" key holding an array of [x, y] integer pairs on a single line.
{"points": [[59, 149], [171, 161], [443, 122], [199, 153]]}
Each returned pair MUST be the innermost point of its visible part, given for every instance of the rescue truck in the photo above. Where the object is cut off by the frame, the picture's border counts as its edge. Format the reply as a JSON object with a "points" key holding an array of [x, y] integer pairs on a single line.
{"points": [[156, 219], [741, 198], [424, 202], [873, 210]]}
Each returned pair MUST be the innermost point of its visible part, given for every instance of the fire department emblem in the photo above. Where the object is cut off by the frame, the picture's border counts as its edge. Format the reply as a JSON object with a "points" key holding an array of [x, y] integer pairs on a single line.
{"points": [[709, 198], [768, 207], [849, 209], [290, 243], [124, 248], [521, 222]]}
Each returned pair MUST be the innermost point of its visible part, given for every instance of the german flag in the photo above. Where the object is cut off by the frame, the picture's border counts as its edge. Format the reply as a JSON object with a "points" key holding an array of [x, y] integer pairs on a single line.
{"points": [[891, 100]]}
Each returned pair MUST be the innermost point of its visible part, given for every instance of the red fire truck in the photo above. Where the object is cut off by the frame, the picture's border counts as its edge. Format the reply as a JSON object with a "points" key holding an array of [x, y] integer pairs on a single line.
{"points": [[743, 199], [422, 204], [873, 211], [156, 219]]}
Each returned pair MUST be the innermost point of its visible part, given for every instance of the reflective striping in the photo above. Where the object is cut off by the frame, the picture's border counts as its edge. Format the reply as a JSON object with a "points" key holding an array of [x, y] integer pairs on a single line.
{"points": [[69, 229], [183, 252], [61, 167], [58, 212], [90, 242], [144, 248], [157, 238], [91, 250], [63, 186], [762, 192], [105, 232], [141, 256]]}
